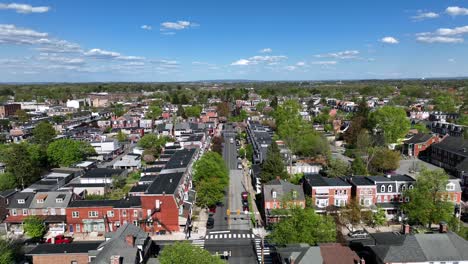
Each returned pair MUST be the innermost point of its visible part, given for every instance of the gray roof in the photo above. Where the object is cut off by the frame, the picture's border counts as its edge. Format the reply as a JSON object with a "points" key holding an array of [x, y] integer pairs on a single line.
{"points": [[424, 248], [281, 187], [117, 245], [26, 196], [50, 200], [301, 253], [457, 145]]}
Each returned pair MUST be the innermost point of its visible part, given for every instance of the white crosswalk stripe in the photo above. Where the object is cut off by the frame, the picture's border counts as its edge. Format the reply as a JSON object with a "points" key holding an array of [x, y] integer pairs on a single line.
{"points": [[229, 236], [199, 243], [266, 252]]}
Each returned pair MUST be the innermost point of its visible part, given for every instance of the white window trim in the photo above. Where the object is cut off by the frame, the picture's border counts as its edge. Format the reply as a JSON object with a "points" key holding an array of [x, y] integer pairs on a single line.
{"points": [[390, 188], [25, 210], [14, 212], [91, 214], [75, 214], [110, 213], [382, 188]]}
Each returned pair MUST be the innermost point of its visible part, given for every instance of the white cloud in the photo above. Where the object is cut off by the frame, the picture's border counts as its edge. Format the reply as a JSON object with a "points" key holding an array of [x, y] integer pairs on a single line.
{"points": [[451, 60], [301, 64], [266, 50], [54, 58], [104, 54], [456, 11], [259, 59], [179, 25], [146, 27], [324, 62], [290, 68], [389, 40], [427, 15], [439, 39], [452, 31], [347, 54], [241, 62], [24, 8], [10, 34]]}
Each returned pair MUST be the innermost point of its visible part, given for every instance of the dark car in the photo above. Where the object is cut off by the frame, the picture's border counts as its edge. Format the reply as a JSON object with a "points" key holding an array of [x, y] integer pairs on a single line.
{"points": [[358, 234], [245, 208], [245, 203], [210, 223], [212, 209]]}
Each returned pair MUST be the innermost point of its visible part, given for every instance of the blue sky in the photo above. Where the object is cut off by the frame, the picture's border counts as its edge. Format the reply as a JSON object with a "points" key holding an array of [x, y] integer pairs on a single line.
{"points": [[162, 40]]}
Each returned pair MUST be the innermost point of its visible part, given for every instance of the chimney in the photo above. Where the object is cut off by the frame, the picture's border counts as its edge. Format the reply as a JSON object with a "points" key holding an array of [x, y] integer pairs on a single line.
{"points": [[406, 229], [115, 259], [443, 227], [389, 176], [130, 239]]}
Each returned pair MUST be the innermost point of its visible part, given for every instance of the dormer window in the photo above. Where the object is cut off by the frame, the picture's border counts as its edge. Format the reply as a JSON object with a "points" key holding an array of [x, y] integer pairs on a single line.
{"points": [[382, 188], [273, 194], [410, 187], [390, 188], [450, 187], [59, 200], [294, 194], [403, 188], [40, 201], [21, 201]]}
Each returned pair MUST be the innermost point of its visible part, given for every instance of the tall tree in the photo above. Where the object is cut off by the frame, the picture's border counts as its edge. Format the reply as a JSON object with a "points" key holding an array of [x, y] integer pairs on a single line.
{"points": [[34, 226], [223, 109], [359, 167], [427, 202], [20, 164], [211, 177], [154, 112], [43, 133], [217, 144], [385, 160], [391, 122], [273, 165], [337, 168], [304, 226], [193, 111], [186, 253], [6, 252], [22, 116], [66, 152]]}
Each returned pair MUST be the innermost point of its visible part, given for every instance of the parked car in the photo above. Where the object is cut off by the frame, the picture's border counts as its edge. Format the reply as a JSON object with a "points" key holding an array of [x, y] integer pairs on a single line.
{"points": [[245, 196], [245, 208], [239, 166], [358, 234], [59, 239], [212, 209], [210, 223], [245, 203]]}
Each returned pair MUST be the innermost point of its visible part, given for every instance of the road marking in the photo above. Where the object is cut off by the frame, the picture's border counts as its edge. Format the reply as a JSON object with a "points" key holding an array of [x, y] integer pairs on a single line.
{"points": [[230, 235], [215, 236], [220, 232]]}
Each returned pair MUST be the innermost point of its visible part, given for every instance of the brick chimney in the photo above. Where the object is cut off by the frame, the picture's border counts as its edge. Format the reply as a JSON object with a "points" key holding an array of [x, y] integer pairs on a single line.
{"points": [[443, 227], [115, 259], [406, 229], [130, 239]]}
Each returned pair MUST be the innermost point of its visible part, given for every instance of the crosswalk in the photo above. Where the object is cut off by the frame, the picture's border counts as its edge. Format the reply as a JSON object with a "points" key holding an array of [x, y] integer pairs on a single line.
{"points": [[199, 243], [229, 236], [266, 251]]}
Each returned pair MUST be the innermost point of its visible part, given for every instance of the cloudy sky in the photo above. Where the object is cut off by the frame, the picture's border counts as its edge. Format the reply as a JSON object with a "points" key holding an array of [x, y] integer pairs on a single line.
{"points": [[79, 41]]}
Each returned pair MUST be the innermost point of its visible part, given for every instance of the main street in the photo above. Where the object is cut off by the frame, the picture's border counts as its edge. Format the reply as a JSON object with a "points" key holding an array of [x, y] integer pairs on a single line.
{"points": [[231, 234]]}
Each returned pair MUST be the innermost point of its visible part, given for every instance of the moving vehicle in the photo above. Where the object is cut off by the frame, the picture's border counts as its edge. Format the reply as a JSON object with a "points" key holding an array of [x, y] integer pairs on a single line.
{"points": [[212, 209], [59, 239], [245, 196], [239, 166], [358, 234], [231, 140], [210, 223]]}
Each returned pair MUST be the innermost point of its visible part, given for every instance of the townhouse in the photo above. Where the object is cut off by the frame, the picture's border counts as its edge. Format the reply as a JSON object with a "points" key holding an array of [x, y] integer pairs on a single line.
{"points": [[419, 144], [278, 191], [451, 154], [363, 190], [327, 193]]}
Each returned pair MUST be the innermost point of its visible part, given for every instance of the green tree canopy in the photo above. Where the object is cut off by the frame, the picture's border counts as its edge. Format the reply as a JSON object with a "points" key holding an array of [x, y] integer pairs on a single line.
{"points": [[66, 152], [7, 181], [391, 121], [427, 203], [26, 171], [154, 112], [34, 226], [385, 160], [193, 111], [43, 133], [304, 226], [445, 103], [337, 168], [186, 253], [6, 252], [359, 167], [211, 177], [273, 165], [121, 136]]}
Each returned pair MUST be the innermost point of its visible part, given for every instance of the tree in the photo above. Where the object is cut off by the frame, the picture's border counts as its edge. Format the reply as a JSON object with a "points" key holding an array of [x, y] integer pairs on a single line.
{"points": [[193, 111], [242, 152], [260, 107], [34, 226], [22, 116], [249, 152], [186, 253], [223, 109], [304, 226], [6, 252], [152, 144], [7, 181], [66, 152], [121, 136], [337, 168], [273, 165], [154, 112], [385, 160], [427, 202], [19, 163], [358, 124], [217, 144], [43, 133], [351, 213], [391, 121], [118, 110], [211, 177], [421, 128], [379, 218], [359, 167], [181, 111], [445, 103], [274, 102]]}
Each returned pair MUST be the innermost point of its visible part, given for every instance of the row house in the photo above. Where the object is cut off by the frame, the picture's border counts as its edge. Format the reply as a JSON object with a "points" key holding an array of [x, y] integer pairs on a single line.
{"points": [[49, 206], [451, 154], [419, 143], [327, 193], [363, 190], [444, 128], [209, 115], [84, 216], [125, 121], [443, 117], [278, 191]]}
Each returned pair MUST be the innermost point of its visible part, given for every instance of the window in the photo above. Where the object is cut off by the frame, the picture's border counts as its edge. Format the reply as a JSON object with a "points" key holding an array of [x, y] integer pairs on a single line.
{"points": [[74, 262], [273, 194], [45, 211], [33, 212], [403, 188], [294, 194], [78, 228], [157, 204], [93, 213], [110, 213], [40, 201], [59, 200], [385, 198], [124, 213], [274, 205], [406, 199], [25, 211], [13, 212], [135, 213], [75, 214], [410, 187], [21, 201], [450, 187], [135, 222], [382, 188], [390, 188]]}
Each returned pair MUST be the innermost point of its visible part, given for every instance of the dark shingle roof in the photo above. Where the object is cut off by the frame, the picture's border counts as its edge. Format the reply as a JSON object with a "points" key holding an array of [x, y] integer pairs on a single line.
{"points": [[457, 145], [317, 180], [180, 159], [165, 183], [124, 203], [73, 248], [102, 173], [26, 196], [418, 138]]}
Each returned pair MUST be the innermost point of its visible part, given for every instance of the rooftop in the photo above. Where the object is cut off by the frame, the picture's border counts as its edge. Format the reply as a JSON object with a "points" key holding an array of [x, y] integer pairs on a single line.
{"points": [[102, 173], [165, 183], [316, 180]]}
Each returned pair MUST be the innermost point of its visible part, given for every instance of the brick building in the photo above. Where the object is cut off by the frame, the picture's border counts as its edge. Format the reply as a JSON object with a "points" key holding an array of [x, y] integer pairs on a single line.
{"points": [[7, 110], [328, 193], [419, 143], [278, 191]]}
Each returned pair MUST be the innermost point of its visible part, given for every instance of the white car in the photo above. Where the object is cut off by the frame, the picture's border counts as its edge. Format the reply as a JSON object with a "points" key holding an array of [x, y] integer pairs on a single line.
{"points": [[239, 166]]}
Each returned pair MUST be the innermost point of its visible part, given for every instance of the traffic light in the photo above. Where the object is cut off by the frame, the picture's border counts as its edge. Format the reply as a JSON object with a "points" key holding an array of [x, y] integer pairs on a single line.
{"points": [[228, 212], [238, 211]]}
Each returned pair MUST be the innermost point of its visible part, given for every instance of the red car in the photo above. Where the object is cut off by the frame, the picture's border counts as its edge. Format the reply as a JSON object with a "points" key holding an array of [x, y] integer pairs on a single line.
{"points": [[245, 196], [59, 239]]}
